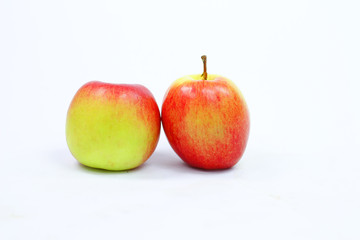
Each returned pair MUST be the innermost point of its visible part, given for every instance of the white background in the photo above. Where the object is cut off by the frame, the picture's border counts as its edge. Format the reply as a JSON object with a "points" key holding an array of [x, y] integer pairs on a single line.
{"points": [[296, 62]]}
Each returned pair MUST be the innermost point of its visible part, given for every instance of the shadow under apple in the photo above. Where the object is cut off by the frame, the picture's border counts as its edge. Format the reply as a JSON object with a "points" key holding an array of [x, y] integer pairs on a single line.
{"points": [[168, 164]]}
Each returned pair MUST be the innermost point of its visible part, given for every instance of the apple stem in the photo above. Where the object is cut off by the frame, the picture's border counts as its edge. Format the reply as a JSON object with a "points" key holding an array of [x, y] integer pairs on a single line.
{"points": [[204, 75]]}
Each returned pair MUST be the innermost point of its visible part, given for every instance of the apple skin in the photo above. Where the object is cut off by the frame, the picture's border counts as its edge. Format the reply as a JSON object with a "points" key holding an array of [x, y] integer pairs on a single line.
{"points": [[112, 126], [206, 121]]}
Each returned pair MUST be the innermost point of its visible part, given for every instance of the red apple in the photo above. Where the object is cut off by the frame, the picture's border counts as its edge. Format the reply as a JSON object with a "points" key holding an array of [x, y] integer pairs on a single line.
{"points": [[206, 120]]}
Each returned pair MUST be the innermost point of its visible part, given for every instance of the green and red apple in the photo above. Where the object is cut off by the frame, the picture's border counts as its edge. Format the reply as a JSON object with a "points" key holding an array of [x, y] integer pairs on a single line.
{"points": [[206, 120], [112, 126]]}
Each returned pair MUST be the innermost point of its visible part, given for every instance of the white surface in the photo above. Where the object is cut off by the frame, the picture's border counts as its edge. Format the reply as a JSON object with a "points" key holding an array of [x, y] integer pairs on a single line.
{"points": [[296, 62]]}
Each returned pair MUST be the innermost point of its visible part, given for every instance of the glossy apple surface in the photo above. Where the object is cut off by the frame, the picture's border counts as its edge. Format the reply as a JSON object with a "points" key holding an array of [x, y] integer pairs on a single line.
{"points": [[112, 126], [206, 121]]}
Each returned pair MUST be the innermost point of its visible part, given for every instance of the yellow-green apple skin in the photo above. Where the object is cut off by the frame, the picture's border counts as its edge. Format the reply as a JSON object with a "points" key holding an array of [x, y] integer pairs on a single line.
{"points": [[112, 126], [206, 121]]}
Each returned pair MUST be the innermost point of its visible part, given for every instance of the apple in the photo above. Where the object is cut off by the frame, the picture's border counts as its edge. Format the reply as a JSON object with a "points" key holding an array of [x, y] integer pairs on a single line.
{"points": [[112, 126], [206, 120]]}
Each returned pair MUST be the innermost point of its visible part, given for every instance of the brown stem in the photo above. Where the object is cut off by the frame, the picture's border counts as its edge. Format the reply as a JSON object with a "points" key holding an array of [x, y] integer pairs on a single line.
{"points": [[204, 75]]}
